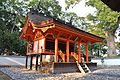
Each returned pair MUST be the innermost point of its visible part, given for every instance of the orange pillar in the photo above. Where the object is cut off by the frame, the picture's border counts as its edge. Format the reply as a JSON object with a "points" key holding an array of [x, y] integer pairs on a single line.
{"points": [[86, 52], [38, 47], [44, 47], [67, 50], [79, 53], [56, 49]]}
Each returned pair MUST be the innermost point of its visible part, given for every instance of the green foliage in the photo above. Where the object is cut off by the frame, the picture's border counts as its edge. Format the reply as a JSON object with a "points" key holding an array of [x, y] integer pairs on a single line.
{"points": [[47, 6], [12, 14], [117, 56], [71, 3], [11, 42], [98, 49], [12, 17], [95, 27], [75, 20], [106, 18], [104, 23], [117, 45]]}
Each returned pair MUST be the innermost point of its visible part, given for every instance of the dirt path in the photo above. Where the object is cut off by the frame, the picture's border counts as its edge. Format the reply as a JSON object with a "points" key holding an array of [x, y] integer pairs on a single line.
{"points": [[4, 76]]}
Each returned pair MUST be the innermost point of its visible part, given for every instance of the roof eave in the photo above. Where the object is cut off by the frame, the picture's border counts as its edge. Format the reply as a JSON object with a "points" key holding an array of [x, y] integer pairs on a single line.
{"points": [[113, 4]]}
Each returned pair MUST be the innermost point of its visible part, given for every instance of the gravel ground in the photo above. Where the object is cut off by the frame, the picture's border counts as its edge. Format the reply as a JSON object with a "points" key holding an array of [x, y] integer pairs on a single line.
{"points": [[102, 73], [4, 77]]}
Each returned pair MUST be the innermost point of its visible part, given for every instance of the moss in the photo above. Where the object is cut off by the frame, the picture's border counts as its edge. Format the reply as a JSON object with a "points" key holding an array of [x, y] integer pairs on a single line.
{"points": [[114, 56]]}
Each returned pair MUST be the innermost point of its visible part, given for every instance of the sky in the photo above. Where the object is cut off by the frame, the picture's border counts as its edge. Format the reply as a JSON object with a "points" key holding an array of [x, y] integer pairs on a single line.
{"points": [[80, 9]]}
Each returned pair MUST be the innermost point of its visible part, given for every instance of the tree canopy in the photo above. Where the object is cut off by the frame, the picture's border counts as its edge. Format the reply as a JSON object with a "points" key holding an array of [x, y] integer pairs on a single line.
{"points": [[105, 20], [103, 23], [12, 17]]}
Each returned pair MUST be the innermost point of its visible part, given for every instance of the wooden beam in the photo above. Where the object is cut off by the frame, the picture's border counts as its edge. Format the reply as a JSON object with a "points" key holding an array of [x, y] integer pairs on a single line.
{"points": [[67, 50], [56, 49], [31, 62], [61, 39], [85, 35], [86, 52], [40, 57], [50, 33], [36, 39], [79, 52]]}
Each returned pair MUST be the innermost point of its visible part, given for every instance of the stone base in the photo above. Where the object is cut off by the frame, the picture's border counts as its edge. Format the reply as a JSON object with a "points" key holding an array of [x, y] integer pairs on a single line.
{"points": [[52, 67]]}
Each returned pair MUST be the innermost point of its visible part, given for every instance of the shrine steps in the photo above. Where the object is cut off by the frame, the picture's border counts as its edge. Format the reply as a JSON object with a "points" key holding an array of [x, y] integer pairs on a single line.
{"points": [[83, 68]]}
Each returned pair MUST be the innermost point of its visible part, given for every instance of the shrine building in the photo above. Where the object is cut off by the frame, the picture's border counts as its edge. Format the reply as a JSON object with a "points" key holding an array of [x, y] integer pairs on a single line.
{"points": [[48, 35]]}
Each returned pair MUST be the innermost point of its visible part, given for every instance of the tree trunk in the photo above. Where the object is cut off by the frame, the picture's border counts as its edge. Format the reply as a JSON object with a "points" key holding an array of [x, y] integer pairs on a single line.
{"points": [[110, 43]]}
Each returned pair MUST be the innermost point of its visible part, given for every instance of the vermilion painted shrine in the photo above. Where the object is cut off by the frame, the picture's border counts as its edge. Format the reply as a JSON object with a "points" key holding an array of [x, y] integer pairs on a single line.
{"points": [[49, 36]]}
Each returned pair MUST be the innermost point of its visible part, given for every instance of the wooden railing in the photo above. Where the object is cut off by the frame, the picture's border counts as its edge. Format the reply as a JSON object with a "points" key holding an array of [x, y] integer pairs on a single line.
{"points": [[48, 50], [74, 55]]}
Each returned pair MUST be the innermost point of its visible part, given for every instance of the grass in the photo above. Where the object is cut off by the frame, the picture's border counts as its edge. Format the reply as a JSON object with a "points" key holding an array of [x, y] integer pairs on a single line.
{"points": [[118, 56]]}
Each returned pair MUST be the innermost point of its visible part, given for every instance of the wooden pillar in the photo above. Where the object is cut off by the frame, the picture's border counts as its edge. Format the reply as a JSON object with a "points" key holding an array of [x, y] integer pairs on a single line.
{"points": [[26, 61], [36, 67], [56, 49], [44, 47], [67, 50], [31, 62], [38, 47], [40, 60], [86, 52], [79, 52], [40, 57]]}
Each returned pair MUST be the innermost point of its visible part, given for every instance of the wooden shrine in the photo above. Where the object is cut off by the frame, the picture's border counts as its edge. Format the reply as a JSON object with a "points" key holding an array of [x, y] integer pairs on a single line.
{"points": [[48, 35]]}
